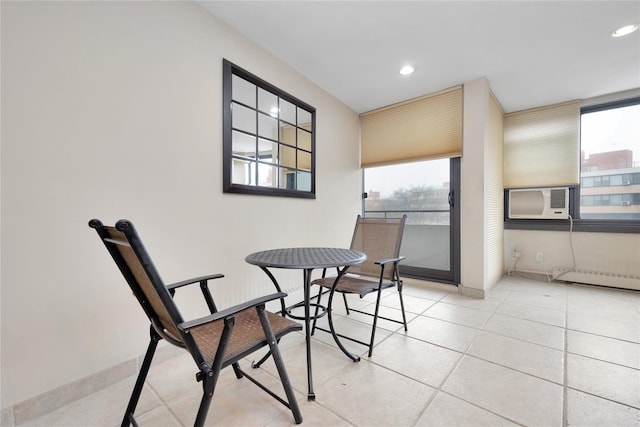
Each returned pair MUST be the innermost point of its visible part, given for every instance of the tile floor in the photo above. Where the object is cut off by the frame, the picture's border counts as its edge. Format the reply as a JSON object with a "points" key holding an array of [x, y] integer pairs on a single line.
{"points": [[532, 353]]}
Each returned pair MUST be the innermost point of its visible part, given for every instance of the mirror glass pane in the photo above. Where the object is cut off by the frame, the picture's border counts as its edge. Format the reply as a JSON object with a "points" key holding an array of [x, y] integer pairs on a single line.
{"points": [[287, 156], [268, 151], [243, 145], [287, 111], [243, 91], [243, 172], [304, 181], [243, 118], [304, 160], [287, 134], [267, 175], [267, 102], [267, 127], [287, 179], [304, 118], [304, 139]]}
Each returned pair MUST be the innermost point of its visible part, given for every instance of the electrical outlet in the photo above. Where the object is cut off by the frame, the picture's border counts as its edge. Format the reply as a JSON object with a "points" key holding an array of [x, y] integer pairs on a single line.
{"points": [[539, 257], [515, 254]]}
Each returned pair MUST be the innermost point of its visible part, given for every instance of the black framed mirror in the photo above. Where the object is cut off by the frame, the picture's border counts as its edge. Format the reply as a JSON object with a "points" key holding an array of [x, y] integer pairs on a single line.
{"points": [[268, 138]]}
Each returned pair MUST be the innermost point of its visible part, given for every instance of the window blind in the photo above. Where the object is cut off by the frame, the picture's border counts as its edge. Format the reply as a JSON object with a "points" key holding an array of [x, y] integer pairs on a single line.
{"points": [[542, 146], [428, 127]]}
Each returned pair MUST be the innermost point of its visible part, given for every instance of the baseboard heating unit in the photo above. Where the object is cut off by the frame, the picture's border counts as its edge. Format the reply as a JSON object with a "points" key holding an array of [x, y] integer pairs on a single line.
{"points": [[625, 281]]}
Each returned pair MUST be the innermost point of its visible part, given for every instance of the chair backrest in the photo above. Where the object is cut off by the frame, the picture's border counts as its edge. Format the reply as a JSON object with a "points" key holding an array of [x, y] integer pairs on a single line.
{"points": [[131, 257], [379, 238]]}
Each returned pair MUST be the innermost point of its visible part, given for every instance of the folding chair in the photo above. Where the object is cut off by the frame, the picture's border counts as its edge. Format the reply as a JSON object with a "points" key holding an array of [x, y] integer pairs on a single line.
{"points": [[380, 239], [214, 341]]}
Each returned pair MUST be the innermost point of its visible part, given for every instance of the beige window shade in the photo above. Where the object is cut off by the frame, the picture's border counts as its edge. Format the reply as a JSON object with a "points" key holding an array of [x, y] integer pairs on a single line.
{"points": [[542, 146], [422, 128]]}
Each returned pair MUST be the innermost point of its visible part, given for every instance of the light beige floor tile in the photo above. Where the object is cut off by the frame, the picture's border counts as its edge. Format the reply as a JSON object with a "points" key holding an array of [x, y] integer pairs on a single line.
{"points": [[527, 330], [369, 395], [313, 415], [598, 292], [426, 292], [540, 288], [458, 314], [411, 304], [446, 410], [627, 331], [602, 348], [416, 359], [439, 332], [500, 289], [585, 410], [533, 359], [487, 304], [508, 393], [604, 306], [533, 313], [553, 302], [158, 417], [603, 379]]}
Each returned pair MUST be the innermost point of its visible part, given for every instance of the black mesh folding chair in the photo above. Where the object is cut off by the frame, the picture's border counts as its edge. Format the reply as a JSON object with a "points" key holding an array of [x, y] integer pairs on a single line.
{"points": [[214, 341], [380, 239]]}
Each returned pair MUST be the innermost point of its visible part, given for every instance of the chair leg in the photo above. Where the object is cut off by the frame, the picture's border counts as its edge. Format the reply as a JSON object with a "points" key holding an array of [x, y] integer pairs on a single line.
{"points": [[346, 306], [142, 376], [277, 358], [237, 370], [375, 322], [404, 316], [203, 410]]}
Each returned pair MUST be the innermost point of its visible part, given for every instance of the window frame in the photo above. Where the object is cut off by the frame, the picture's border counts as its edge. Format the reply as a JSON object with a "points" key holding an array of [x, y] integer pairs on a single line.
{"points": [[230, 70], [576, 223]]}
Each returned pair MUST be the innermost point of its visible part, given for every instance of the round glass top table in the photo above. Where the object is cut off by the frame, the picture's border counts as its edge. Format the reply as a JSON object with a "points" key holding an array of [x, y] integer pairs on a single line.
{"points": [[307, 259]]}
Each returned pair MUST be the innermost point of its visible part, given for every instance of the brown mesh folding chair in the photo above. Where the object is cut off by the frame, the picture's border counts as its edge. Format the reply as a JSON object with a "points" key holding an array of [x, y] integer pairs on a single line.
{"points": [[214, 341], [380, 239]]}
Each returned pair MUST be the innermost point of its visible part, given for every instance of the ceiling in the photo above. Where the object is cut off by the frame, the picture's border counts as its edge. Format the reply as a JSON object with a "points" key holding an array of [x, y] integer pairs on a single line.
{"points": [[533, 53]]}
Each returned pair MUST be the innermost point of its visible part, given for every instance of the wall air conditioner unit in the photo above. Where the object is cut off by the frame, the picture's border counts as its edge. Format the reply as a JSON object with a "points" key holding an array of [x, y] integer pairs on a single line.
{"points": [[625, 203], [539, 203]]}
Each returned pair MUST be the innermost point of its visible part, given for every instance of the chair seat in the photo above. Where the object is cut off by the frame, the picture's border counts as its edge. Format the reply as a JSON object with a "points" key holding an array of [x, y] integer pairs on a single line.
{"points": [[247, 335], [353, 285]]}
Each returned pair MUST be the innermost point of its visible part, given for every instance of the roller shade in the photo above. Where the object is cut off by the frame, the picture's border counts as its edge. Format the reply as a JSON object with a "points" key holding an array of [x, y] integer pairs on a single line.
{"points": [[428, 127], [542, 146]]}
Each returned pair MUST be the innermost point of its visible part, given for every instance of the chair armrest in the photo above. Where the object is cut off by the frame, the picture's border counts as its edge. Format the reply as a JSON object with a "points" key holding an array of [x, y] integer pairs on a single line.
{"points": [[194, 280], [228, 312], [388, 260]]}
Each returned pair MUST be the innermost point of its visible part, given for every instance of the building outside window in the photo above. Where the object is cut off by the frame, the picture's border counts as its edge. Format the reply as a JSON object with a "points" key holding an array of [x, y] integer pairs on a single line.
{"points": [[610, 161]]}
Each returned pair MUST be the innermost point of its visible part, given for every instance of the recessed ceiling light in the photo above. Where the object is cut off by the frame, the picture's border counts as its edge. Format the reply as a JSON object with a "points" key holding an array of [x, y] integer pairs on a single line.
{"points": [[623, 31], [406, 70]]}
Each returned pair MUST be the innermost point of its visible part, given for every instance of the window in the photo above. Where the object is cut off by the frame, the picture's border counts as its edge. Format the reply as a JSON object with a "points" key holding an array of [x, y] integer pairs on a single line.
{"points": [[425, 192], [610, 161], [268, 138]]}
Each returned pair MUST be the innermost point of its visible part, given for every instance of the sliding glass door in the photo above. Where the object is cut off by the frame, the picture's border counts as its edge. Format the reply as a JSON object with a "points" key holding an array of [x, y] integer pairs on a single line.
{"points": [[426, 192]]}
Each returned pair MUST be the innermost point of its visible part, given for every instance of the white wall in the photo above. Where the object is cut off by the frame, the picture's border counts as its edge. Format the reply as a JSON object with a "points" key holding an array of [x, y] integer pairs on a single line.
{"points": [[114, 110], [601, 252], [481, 226]]}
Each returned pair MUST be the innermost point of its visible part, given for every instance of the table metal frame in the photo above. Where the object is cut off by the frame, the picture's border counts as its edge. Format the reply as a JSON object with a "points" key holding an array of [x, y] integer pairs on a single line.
{"points": [[300, 262]]}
